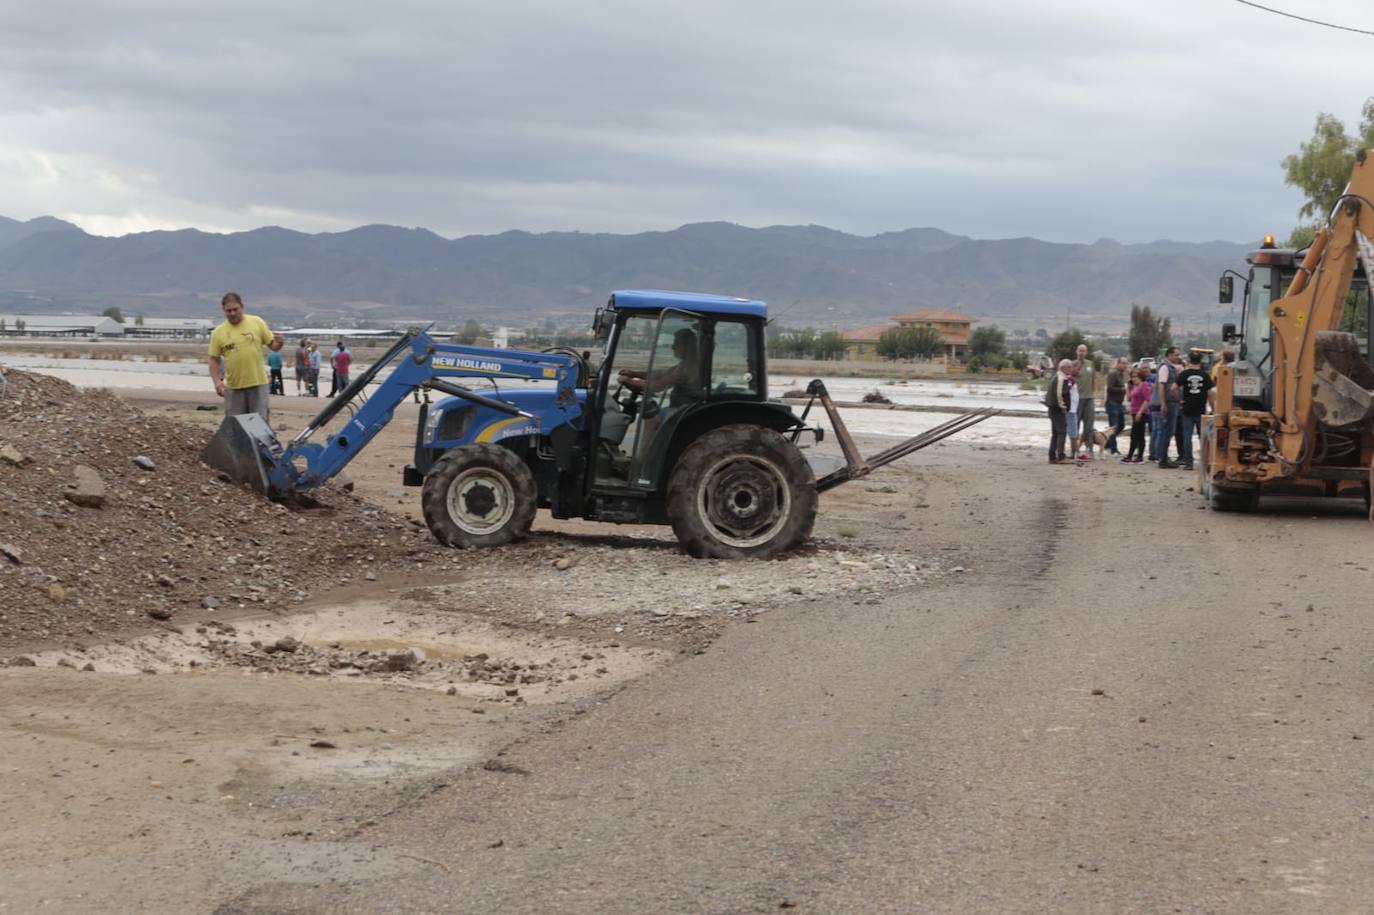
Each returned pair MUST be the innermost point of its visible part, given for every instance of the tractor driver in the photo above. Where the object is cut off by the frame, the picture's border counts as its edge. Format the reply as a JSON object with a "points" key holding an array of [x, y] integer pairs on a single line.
{"points": [[686, 372]]}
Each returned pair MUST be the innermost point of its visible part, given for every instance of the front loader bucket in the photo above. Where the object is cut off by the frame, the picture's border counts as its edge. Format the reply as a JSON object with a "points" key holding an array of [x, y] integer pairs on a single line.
{"points": [[246, 449]]}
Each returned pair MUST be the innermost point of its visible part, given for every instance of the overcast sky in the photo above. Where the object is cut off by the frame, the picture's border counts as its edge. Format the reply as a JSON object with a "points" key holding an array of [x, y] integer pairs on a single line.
{"points": [[1063, 119]]}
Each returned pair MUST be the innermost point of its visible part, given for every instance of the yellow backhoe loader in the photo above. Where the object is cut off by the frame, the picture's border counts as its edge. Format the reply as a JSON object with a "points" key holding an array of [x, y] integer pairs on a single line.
{"points": [[1294, 411]]}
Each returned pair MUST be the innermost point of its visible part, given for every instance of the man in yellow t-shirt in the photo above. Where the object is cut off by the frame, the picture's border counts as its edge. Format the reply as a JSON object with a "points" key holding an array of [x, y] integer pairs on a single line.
{"points": [[238, 341]]}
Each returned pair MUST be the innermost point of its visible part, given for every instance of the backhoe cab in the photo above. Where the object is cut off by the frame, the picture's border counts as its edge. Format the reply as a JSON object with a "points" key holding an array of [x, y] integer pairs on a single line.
{"points": [[1295, 410], [674, 426]]}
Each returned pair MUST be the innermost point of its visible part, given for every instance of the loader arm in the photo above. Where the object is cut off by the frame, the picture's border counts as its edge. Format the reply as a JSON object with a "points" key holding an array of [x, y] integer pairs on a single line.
{"points": [[416, 360], [1311, 309]]}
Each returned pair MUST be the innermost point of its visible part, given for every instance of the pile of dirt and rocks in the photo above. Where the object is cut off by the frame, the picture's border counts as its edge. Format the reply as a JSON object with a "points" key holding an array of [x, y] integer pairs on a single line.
{"points": [[109, 521]]}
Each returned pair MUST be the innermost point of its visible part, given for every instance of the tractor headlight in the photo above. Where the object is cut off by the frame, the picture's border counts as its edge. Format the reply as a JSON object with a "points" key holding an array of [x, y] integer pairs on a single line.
{"points": [[432, 422]]}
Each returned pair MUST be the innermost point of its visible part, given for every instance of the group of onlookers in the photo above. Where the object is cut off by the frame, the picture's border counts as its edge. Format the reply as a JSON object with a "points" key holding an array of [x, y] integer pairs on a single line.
{"points": [[308, 369], [1165, 404]]}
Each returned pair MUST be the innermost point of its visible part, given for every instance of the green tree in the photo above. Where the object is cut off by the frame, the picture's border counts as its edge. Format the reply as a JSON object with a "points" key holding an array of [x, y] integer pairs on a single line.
{"points": [[1019, 359], [829, 345], [469, 333], [1064, 345], [987, 343], [1149, 334], [113, 312], [908, 342], [1321, 167]]}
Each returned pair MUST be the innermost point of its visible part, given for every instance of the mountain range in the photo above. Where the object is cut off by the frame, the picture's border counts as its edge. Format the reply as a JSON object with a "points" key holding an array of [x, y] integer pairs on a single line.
{"points": [[806, 273]]}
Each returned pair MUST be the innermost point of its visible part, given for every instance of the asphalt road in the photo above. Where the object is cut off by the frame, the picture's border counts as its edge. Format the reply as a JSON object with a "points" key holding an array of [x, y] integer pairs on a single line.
{"points": [[1122, 704]]}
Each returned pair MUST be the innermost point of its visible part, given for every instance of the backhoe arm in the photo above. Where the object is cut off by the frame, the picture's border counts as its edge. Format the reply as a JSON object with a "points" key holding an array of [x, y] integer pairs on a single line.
{"points": [[1313, 305]]}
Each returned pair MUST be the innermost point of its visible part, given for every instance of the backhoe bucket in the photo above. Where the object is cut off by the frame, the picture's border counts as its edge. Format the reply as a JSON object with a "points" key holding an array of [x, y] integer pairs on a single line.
{"points": [[1343, 390], [246, 449]]}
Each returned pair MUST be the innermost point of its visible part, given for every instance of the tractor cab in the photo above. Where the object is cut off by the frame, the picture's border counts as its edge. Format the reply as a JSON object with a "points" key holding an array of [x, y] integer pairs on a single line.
{"points": [[670, 359], [1271, 273]]}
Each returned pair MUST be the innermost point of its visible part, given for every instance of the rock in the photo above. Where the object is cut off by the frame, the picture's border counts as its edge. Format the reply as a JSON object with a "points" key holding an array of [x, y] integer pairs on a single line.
{"points": [[324, 745], [209, 603], [794, 589], [145, 462], [406, 659], [721, 584], [22, 661], [563, 564], [287, 644], [12, 553], [370, 576], [11, 455], [56, 593], [160, 613], [88, 667], [86, 489]]}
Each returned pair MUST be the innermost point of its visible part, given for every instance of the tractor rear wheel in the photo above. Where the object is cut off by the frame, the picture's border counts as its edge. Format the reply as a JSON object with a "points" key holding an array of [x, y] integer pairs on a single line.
{"points": [[479, 495], [741, 492]]}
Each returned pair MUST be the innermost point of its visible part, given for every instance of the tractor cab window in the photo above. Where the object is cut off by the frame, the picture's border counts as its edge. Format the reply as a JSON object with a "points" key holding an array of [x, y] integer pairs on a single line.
{"points": [[1261, 292], [732, 360]]}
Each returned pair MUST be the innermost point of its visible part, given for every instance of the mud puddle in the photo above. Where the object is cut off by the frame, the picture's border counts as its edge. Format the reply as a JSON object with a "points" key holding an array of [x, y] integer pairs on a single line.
{"points": [[374, 642]]}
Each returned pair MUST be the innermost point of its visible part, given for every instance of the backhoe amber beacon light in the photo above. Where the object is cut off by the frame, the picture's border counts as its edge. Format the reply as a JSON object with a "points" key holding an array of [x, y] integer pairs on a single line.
{"points": [[1268, 242]]}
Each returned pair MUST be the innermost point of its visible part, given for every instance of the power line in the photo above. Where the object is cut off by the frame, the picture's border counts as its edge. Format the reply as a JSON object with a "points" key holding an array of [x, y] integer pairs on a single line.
{"points": [[1329, 25]]}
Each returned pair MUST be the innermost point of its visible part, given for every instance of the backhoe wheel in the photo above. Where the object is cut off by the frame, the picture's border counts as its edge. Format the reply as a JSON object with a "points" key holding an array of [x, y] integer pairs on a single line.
{"points": [[741, 492], [479, 495]]}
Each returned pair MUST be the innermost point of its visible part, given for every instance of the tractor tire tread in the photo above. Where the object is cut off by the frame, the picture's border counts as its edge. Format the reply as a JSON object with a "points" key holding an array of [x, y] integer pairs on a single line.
{"points": [[434, 495], [687, 477]]}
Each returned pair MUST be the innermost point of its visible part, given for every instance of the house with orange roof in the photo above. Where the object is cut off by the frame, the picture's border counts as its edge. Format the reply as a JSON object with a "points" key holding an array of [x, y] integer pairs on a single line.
{"points": [[954, 326]]}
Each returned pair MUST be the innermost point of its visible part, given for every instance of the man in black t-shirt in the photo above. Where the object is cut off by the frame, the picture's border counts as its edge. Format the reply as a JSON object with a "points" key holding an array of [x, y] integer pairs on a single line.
{"points": [[1195, 390]]}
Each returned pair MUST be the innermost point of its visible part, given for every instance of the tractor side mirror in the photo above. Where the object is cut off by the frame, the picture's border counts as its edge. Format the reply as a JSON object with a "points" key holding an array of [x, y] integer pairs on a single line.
{"points": [[1228, 331], [1226, 290], [601, 328]]}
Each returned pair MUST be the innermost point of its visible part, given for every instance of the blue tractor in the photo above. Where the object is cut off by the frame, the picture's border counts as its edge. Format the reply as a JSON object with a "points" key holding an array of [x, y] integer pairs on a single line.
{"points": [[674, 427]]}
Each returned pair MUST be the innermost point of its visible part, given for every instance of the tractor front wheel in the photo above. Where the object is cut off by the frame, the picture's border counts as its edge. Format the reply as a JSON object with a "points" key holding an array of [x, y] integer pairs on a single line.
{"points": [[741, 492], [479, 495]]}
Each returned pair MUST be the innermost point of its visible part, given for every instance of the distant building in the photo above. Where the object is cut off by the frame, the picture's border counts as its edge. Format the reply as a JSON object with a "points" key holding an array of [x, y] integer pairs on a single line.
{"points": [[60, 326], [176, 328], [954, 326], [862, 342]]}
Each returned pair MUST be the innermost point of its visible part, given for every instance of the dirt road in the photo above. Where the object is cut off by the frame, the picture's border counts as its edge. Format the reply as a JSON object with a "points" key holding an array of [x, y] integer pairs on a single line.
{"points": [[1121, 704], [991, 685]]}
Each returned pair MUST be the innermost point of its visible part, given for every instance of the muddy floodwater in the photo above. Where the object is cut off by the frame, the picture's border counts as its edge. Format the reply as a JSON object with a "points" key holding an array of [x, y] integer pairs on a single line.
{"points": [[191, 376]]}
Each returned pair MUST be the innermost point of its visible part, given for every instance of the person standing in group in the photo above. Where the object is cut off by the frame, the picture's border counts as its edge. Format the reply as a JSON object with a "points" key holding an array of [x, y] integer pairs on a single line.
{"points": [[275, 384], [1116, 402], [1139, 402], [1150, 375], [314, 372], [341, 360], [1057, 402], [1087, 405], [302, 366], [1073, 417], [238, 341], [1165, 397], [1197, 392]]}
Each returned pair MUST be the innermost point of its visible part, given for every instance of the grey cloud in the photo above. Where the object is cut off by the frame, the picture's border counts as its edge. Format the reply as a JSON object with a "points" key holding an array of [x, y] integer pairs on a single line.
{"points": [[1062, 119]]}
